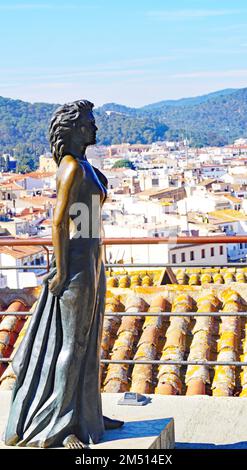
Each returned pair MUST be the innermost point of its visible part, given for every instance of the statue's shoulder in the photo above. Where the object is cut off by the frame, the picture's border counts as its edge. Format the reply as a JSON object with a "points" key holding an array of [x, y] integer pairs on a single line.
{"points": [[67, 172], [101, 176]]}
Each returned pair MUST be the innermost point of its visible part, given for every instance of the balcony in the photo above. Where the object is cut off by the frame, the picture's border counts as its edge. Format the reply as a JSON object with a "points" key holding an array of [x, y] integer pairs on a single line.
{"points": [[169, 329]]}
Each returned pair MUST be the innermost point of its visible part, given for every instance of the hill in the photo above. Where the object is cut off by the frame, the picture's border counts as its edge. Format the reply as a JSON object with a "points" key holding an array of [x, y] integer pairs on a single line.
{"points": [[213, 119], [188, 101], [23, 130]]}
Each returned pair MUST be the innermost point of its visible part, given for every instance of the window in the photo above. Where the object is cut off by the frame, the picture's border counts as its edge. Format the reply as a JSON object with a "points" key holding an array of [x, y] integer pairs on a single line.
{"points": [[241, 246], [173, 259], [221, 250], [203, 253], [212, 251], [192, 256], [182, 257]]}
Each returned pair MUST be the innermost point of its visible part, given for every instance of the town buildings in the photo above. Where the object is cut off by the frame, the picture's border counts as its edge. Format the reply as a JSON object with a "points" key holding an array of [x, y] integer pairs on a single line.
{"points": [[171, 190]]}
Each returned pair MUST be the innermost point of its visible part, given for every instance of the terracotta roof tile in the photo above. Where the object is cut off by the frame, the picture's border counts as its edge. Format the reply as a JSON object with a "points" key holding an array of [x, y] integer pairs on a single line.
{"points": [[201, 276], [10, 328], [233, 198], [116, 379], [40, 174], [21, 251], [47, 222], [143, 379], [11, 186], [192, 338], [39, 200], [134, 279]]}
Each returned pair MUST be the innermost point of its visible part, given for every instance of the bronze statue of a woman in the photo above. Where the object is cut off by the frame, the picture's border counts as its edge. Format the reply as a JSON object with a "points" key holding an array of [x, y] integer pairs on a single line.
{"points": [[56, 400]]}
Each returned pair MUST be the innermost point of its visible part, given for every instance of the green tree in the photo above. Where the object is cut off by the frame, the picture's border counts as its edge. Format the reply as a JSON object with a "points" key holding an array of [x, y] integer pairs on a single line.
{"points": [[27, 159], [124, 163]]}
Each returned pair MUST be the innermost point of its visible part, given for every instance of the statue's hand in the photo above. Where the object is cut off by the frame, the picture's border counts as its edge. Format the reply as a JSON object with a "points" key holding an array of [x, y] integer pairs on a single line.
{"points": [[56, 284]]}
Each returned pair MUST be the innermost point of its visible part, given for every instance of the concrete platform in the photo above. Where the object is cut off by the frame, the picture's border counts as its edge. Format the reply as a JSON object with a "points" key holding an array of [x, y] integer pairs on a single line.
{"points": [[141, 429], [201, 422]]}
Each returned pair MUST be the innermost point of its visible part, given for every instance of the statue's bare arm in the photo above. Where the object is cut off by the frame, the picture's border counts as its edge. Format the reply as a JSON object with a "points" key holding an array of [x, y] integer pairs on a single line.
{"points": [[69, 177]]}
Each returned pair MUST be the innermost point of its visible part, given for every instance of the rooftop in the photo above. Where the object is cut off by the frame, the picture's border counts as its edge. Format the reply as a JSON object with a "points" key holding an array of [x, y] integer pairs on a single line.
{"points": [[38, 200], [233, 198], [20, 251], [147, 337], [11, 186], [228, 215], [167, 330]]}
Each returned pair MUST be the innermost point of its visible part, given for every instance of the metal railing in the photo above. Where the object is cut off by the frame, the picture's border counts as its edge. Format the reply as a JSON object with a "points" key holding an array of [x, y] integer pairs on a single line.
{"points": [[177, 240], [141, 241], [156, 314]]}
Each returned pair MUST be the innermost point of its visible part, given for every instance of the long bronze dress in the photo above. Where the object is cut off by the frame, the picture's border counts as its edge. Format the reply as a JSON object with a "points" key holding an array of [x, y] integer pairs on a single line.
{"points": [[57, 390]]}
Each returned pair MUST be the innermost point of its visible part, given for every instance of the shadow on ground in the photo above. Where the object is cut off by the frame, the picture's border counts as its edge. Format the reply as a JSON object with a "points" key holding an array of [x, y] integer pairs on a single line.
{"points": [[191, 445], [137, 429]]}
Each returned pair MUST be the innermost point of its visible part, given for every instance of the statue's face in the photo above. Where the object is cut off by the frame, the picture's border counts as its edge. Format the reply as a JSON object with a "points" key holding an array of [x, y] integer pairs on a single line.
{"points": [[88, 128]]}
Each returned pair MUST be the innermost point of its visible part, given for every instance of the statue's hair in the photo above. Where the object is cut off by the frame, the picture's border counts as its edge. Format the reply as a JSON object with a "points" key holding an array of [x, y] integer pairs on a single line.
{"points": [[63, 121]]}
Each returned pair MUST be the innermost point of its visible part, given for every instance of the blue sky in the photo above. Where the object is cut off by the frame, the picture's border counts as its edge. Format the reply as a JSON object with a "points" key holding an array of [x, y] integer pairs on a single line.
{"points": [[132, 52]]}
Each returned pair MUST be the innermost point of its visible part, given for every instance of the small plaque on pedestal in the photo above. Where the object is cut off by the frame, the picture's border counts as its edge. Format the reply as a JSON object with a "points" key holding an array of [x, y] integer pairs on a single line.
{"points": [[134, 399]]}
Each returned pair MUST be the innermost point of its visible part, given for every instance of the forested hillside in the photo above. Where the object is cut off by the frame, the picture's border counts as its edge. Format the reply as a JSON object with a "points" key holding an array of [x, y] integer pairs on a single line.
{"points": [[214, 119]]}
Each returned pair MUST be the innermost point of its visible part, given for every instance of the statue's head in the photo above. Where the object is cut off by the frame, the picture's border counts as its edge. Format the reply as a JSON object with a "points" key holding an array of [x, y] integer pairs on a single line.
{"points": [[72, 126]]}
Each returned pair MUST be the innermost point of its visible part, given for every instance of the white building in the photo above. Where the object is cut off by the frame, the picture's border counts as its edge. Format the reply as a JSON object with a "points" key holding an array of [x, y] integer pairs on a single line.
{"points": [[213, 171], [198, 254], [37, 181], [153, 179], [201, 201], [232, 223], [47, 163], [236, 175], [161, 253], [17, 278], [18, 227]]}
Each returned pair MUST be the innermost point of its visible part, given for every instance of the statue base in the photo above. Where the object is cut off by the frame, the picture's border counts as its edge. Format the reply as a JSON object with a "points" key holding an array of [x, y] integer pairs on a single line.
{"points": [[141, 429]]}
